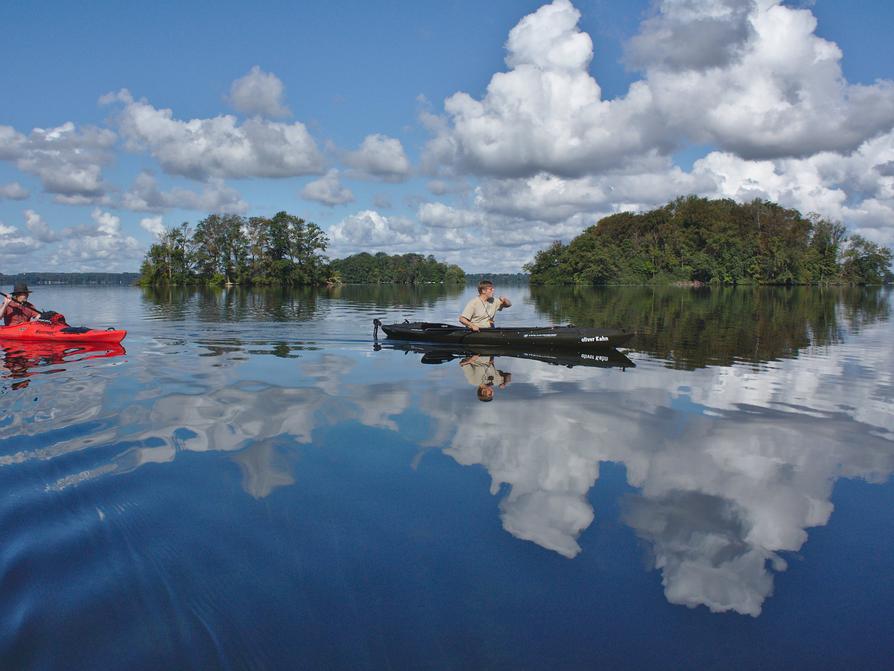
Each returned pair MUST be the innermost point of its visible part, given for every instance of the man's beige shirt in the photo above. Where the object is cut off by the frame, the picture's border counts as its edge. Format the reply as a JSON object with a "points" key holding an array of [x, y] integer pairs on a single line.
{"points": [[481, 312]]}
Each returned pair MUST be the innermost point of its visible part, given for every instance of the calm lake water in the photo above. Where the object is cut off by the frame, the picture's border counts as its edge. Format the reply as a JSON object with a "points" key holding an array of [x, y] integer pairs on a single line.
{"points": [[254, 485]]}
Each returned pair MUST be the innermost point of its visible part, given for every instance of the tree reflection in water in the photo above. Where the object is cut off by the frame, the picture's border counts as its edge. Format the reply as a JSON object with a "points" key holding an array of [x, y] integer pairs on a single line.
{"points": [[693, 328]]}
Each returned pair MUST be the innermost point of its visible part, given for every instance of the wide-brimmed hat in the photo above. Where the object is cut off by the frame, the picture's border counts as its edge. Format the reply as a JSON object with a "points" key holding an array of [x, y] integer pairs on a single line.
{"points": [[20, 288]]}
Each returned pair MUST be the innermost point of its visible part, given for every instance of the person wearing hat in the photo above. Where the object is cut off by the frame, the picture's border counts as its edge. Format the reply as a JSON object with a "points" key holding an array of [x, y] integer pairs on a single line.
{"points": [[16, 309]]}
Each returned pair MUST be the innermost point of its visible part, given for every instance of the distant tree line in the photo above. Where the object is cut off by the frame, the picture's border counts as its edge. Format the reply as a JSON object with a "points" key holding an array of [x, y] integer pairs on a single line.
{"points": [[713, 241], [34, 279], [365, 268], [498, 278], [282, 250]]}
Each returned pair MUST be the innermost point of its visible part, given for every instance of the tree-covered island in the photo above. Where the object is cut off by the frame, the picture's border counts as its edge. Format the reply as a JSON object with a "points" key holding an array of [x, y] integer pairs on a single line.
{"points": [[380, 268], [713, 241], [232, 249], [282, 250]]}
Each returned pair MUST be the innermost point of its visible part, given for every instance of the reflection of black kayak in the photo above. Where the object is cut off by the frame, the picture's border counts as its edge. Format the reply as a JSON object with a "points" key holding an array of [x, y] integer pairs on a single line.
{"points": [[538, 337], [440, 353]]}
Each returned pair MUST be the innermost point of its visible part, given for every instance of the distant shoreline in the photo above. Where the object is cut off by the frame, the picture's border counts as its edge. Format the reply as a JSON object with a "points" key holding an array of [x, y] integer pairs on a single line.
{"points": [[77, 279]]}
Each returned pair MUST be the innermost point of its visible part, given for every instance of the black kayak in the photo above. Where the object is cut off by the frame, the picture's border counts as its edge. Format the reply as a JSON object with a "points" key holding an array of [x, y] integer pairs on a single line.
{"points": [[535, 337]]}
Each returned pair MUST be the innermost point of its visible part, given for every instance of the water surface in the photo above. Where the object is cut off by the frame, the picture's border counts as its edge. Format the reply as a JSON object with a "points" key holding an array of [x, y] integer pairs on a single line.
{"points": [[253, 484]]}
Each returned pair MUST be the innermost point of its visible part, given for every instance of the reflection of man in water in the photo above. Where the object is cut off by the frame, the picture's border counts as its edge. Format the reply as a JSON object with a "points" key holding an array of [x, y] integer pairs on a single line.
{"points": [[484, 374]]}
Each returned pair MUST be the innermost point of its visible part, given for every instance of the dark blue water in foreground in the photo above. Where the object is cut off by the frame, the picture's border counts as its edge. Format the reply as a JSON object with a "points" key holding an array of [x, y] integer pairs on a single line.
{"points": [[252, 485]]}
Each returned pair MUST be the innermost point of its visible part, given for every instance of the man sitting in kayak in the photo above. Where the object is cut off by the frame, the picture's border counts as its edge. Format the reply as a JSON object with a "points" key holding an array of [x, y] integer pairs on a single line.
{"points": [[480, 311], [16, 309]]}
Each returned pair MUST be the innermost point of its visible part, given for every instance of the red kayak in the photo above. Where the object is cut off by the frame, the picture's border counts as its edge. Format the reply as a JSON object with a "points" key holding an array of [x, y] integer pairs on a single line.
{"points": [[40, 330]]}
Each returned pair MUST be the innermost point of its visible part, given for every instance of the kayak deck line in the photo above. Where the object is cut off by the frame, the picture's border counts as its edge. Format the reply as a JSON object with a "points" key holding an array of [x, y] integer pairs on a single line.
{"points": [[545, 337]]}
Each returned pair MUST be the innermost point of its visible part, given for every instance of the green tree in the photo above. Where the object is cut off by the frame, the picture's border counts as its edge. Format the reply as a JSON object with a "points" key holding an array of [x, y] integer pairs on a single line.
{"points": [[865, 262], [169, 261], [221, 248]]}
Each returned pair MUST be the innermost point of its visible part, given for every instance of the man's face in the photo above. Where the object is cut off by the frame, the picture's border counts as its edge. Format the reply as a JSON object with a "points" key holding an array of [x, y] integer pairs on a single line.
{"points": [[21, 298], [488, 292]]}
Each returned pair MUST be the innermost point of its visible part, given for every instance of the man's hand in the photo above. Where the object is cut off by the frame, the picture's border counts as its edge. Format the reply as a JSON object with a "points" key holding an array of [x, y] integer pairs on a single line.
{"points": [[468, 324], [474, 327], [504, 302]]}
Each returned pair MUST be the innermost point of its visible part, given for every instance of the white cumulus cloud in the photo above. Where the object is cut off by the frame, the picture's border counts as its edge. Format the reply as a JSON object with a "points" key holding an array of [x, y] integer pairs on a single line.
{"points": [[39, 228], [328, 190], [546, 113], [693, 35], [780, 93], [145, 196], [67, 160], [259, 93], [14, 245], [379, 157], [443, 216], [153, 225], [370, 230], [13, 191], [219, 146], [754, 79], [100, 245]]}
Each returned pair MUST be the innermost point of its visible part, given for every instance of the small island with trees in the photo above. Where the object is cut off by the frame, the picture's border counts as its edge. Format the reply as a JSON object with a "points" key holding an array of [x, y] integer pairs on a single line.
{"points": [[700, 241], [282, 250], [380, 268]]}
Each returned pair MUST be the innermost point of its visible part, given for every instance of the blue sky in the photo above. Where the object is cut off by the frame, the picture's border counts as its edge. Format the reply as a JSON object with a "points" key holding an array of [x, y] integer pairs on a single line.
{"points": [[476, 133]]}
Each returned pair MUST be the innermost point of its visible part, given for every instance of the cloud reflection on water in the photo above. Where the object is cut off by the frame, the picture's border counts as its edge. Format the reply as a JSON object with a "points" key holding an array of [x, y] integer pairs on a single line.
{"points": [[249, 417], [732, 465]]}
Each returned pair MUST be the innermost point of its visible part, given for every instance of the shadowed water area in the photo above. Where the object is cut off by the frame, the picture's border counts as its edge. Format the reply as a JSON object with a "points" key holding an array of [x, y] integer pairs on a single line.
{"points": [[255, 484]]}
